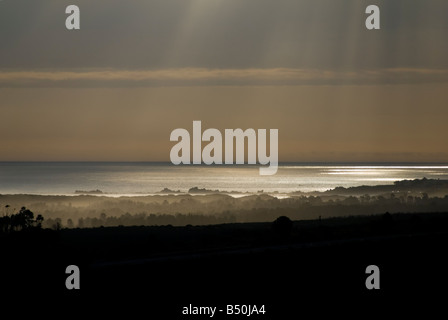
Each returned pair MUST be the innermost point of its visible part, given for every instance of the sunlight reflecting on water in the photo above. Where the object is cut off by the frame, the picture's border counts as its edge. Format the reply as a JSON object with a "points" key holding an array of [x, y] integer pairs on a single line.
{"points": [[116, 179]]}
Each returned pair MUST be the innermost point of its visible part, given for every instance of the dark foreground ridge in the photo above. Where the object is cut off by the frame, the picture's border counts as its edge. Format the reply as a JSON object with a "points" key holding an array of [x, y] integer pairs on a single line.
{"points": [[279, 264]]}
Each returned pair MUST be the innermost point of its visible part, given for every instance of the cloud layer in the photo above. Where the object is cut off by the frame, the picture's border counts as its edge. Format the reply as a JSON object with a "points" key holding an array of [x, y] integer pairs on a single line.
{"points": [[223, 34], [202, 76]]}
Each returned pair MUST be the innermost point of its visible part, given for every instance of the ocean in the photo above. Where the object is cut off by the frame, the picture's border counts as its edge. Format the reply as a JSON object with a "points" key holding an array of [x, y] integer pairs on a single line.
{"points": [[126, 178]]}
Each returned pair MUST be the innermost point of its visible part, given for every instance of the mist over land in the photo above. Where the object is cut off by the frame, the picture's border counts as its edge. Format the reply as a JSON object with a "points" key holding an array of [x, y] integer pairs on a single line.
{"points": [[204, 207]]}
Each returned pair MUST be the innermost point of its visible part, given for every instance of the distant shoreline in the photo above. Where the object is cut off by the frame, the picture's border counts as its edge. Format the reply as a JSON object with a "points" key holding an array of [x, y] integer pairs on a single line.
{"points": [[416, 185]]}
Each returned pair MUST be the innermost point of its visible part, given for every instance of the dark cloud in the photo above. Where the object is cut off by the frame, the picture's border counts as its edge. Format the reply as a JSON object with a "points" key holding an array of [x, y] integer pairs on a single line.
{"points": [[160, 34]]}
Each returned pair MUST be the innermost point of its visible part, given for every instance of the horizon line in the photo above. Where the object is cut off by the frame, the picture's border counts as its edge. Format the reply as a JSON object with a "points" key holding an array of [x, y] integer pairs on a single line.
{"points": [[239, 165]]}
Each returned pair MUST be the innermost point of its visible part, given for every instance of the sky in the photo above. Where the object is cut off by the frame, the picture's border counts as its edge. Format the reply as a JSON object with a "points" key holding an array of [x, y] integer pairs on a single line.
{"points": [[136, 70]]}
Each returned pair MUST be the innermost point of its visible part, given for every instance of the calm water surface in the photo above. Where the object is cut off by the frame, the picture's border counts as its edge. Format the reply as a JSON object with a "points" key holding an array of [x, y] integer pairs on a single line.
{"points": [[60, 178]]}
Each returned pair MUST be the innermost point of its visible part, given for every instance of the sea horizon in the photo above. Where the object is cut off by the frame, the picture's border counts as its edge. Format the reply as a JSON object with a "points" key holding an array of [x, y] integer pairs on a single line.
{"points": [[314, 163], [114, 178]]}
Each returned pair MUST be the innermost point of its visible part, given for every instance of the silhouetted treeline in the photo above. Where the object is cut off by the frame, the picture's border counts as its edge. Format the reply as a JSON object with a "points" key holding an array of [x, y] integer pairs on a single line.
{"points": [[143, 219], [262, 209], [85, 211], [22, 220]]}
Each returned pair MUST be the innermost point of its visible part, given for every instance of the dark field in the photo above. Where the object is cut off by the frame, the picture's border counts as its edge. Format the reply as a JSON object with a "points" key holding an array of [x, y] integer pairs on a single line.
{"points": [[289, 268]]}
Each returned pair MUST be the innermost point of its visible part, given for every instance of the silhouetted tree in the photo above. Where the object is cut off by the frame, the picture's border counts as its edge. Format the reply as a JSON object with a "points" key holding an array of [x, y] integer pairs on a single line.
{"points": [[57, 224], [39, 220], [282, 226], [387, 222], [70, 223], [5, 223], [22, 220]]}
